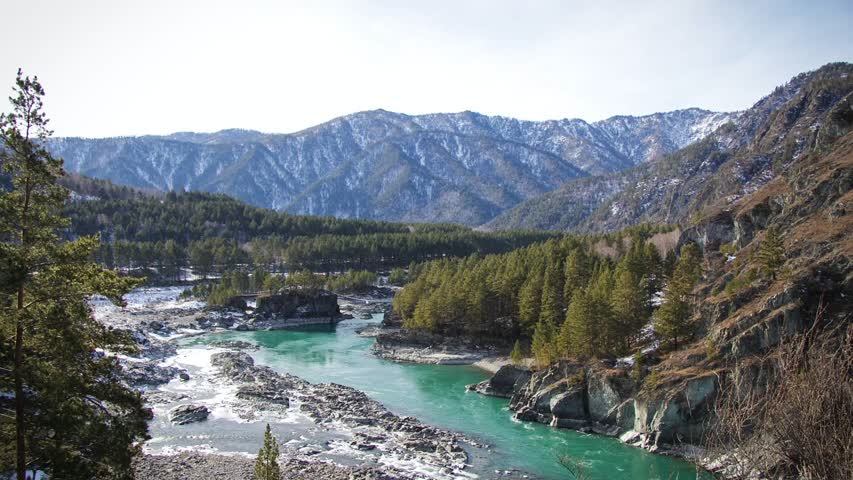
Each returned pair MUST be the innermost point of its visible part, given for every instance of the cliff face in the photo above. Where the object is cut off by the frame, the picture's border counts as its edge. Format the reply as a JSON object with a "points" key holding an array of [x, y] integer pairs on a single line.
{"points": [[740, 320]]}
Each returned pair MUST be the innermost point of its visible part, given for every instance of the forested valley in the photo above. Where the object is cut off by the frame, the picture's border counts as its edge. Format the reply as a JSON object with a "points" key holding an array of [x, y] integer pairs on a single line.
{"points": [[214, 233]]}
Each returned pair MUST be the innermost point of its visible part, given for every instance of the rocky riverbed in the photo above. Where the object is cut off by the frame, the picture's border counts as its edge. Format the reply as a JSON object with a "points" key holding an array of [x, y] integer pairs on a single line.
{"points": [[353, 435], [373, 429], [199, 466]]}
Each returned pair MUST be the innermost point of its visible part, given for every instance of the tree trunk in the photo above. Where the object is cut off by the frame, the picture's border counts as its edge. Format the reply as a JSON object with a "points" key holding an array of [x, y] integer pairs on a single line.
{"points": [[21, 461]]}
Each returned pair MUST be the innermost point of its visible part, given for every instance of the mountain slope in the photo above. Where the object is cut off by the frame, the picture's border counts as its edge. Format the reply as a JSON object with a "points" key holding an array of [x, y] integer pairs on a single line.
{"points": [[462, 167], [736, 159]]}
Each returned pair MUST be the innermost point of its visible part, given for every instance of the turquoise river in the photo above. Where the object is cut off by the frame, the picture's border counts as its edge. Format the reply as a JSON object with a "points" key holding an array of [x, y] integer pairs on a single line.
{"points": [[436, 394]]}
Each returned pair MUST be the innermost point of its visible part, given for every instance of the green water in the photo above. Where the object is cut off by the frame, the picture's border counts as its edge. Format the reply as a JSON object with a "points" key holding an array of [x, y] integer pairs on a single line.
{"points": [[436, 394]]}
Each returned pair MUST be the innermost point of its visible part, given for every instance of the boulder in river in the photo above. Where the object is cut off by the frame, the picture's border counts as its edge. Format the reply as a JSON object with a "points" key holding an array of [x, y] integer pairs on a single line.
{"points": [[508, 380], [184, 414]]}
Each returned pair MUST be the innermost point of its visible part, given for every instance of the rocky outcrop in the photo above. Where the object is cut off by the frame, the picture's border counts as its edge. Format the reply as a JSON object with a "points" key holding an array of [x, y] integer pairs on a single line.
{"points": [[677, 414], [508, 380], [415, 346], [295, 308], [712, 232], [599, 399], [184, 414], [298, 303]]}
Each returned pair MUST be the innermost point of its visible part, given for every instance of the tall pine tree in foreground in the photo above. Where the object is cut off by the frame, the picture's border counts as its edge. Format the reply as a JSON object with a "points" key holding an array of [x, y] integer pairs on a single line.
{"points": [[266, 465], [71, 416]]}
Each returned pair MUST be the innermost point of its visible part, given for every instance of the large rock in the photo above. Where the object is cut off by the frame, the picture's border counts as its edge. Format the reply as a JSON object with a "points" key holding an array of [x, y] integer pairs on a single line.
{"points": [[570, 404], [234, 365], [675, 415], [235, 303], [711, 232], [184, 414], [559, 385], [146, 373], [606, 390], [581, 397], [298, 304], [504, 383]]}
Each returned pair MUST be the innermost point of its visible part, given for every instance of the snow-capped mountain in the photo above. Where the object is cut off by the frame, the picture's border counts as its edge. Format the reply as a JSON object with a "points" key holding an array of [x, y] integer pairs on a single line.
{"points": [[460, 167], [734, 160]]}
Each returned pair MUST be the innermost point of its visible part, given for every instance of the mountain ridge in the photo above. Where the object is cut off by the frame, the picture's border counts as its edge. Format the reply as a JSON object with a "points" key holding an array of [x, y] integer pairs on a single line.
{"points": [[439, 164], [734, 160]]}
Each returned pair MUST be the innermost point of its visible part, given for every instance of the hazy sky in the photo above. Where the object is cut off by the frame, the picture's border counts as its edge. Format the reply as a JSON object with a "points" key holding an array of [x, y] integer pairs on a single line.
{"points": [[142, 67]]}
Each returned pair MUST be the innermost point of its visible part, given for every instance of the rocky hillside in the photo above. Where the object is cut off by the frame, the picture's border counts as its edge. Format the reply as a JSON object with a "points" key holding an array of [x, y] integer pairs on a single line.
{"points": [[744, 317], [735, 160], [463, 167]]}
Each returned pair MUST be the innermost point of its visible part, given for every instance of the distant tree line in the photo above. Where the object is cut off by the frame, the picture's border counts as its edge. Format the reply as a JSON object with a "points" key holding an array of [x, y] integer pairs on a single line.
{"points": [[215, 233]]}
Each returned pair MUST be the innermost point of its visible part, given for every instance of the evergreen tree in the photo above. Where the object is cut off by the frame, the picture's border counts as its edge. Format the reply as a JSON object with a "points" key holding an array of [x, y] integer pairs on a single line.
{"points": [[579, 333], [516, 355], [397, 276], [672, 320], [628, 301], [577, 272], [611, 337], [529, 301], [771, 253], [266, 465], [72, 415], [551, 305], [544, 343]]}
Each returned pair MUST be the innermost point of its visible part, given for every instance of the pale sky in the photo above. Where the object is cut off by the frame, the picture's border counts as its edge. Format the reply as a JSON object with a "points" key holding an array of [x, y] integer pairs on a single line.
{"points": [[153, 67]]}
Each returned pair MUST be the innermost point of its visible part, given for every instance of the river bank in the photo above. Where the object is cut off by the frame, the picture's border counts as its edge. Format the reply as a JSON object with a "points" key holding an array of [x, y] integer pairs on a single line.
{"points": [[599, 399]]}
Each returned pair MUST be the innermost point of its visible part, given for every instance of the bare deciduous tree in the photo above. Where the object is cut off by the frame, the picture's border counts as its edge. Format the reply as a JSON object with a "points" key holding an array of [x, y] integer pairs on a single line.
{"points": [[791, 411]]}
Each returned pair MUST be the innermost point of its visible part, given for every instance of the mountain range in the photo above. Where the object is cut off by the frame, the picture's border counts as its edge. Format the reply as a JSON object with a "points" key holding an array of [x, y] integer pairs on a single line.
{"points": [[462, 167], [491, 171]]}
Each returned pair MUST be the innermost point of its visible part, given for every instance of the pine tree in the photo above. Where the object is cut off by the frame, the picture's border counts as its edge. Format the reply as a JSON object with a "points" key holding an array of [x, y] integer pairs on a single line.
{"points": [[655, 270], [628, 301], [544, 344], [266, 465], [611, 337], [579, 333], [516, 356], [529, 301], [73, 416], [577, 272], [672, 320], [397, 276], [771, 253], [551, 305]]}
